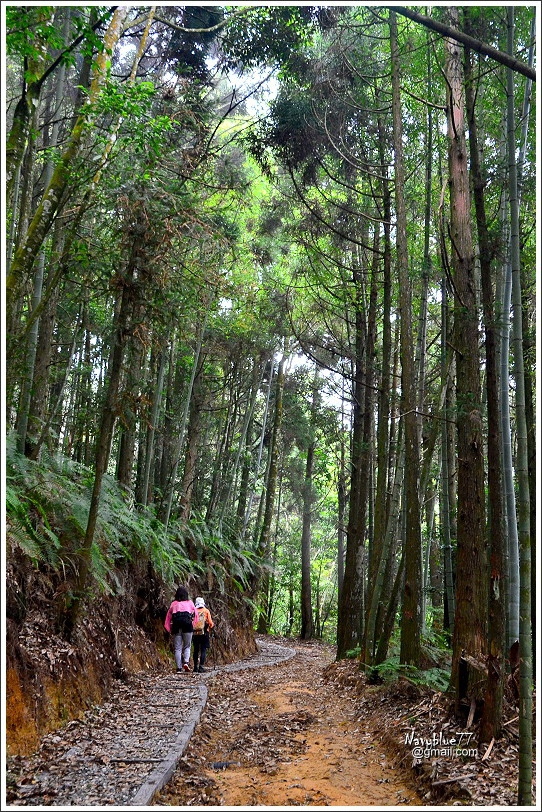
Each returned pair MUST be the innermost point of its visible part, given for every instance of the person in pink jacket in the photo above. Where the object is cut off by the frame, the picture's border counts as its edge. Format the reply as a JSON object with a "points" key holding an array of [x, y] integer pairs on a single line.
{"points": [[178, 622]]}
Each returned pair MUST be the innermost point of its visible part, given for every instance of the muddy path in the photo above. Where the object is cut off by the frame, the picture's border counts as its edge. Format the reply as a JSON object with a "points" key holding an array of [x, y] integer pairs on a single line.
{"points": [[285, 736]]}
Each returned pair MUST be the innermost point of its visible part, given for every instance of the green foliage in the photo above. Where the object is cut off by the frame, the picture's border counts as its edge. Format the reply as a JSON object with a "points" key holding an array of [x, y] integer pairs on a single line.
{"points": [[272, 36], [187, 51], [47, 508], [438, 679], [27, 29], [31, 28], [29, 522], [125, 100], [220, 556]]}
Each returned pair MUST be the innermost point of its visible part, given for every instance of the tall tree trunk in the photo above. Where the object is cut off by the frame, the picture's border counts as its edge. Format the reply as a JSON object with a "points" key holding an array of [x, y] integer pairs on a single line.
{"points": [[492, 712], [411, 610], [37, 418], [512, 545], [522, 473], [229, 405], [384, 383], [369, 429], [351, 601], [376, 611], [168, 427], [389, 620], [341, 517], [529, 343], [156, 402], [257, 377], [470, 628]]}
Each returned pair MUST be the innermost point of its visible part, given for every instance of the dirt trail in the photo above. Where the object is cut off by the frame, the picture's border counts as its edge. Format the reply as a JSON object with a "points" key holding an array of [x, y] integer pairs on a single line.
{"points": [[283, 736]]}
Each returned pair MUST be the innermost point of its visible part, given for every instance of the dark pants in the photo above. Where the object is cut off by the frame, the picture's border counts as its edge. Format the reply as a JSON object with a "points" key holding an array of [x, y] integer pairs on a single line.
{"points": [[201, 644]]}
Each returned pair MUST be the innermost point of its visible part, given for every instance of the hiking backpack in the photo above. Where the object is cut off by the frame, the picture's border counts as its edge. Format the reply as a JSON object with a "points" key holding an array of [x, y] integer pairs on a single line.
{"points": [[199, 621], [181, 622]]}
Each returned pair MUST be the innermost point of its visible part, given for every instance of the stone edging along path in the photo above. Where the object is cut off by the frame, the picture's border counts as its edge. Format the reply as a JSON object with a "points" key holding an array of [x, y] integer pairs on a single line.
{"points": [[269, 654]]}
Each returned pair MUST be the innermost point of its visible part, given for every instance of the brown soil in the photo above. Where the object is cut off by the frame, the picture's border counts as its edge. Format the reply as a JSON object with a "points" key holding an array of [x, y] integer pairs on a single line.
{"points": [[286, 736]]}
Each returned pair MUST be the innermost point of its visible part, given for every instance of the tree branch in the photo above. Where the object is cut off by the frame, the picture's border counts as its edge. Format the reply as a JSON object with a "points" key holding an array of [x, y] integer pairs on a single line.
{"points": [[475, 44], [210, 30]]}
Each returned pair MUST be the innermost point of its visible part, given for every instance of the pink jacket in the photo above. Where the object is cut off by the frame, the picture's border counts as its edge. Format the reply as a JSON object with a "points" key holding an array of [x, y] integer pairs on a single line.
{"points": [[178, 606]]}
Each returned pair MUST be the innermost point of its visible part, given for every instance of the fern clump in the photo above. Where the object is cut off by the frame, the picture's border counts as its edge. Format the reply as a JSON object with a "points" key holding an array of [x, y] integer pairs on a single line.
{"points": [[391, 670], [47, 506]]}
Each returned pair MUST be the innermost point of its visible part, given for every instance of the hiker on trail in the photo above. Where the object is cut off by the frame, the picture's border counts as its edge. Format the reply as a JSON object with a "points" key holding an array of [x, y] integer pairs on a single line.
{"points": [[178, 622], [201, 640]]}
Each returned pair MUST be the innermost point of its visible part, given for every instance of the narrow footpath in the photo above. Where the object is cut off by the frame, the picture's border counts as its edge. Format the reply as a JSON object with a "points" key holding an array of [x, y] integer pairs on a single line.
{"points": [[269, 730], [285, 736]]}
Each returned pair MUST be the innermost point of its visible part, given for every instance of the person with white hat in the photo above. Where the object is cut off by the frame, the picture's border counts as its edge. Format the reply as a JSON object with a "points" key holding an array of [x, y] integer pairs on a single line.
{"points": [[202, 624]]}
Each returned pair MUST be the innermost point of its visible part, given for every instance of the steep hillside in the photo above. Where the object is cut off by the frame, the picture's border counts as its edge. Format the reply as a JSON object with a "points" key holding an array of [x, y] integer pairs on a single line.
{"points": [[51, 681]]}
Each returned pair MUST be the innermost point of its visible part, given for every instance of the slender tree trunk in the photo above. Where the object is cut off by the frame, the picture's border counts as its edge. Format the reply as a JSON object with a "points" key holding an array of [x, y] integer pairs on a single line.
{"points": [[341, 518], [436, 580], [126, 452], [429, 524], [56, 401], [445, 507], [525, 797], [368, 429], [257, 377], [242, 496], [411, 611], [389, 620], [512, 546], [528, 346], [38, 402], [193, 438], [229, 405], [384, 565], [263, 546], [384, 405], [307, 624], [166, 443], [156, 402], [272, 590]]}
